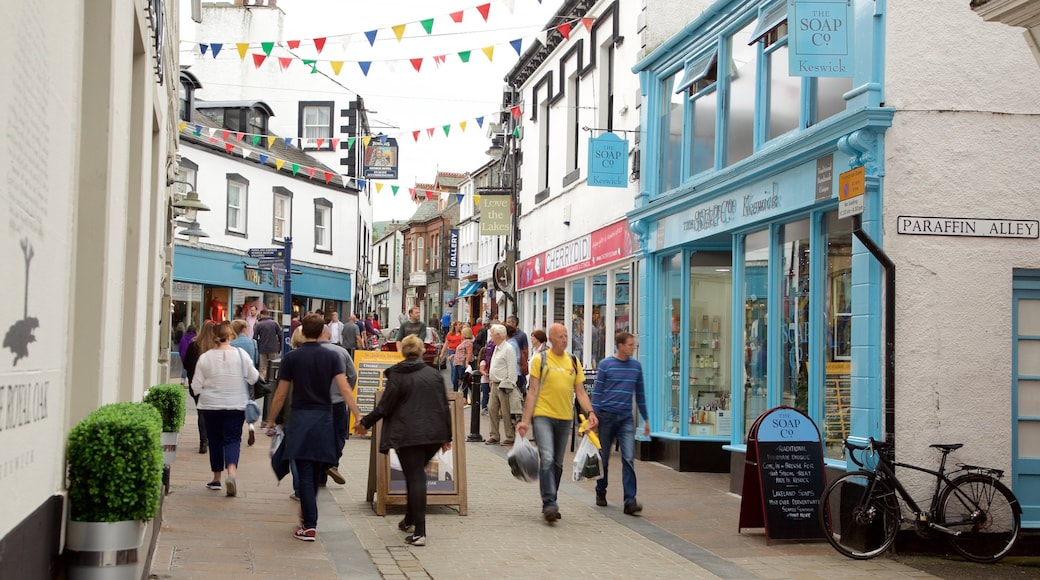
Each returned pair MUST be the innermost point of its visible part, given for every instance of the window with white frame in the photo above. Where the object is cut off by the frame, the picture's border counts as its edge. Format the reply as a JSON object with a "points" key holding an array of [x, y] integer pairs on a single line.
{"points": [[741, 84], [237, 203], [322, 225], [281, 225], [543, 154], [316, 123], [420, 255], [573, 124], [435, 252]]}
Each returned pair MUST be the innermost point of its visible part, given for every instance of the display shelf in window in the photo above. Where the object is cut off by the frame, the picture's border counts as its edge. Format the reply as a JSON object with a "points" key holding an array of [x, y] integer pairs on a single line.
{"points": [[709, 399]]}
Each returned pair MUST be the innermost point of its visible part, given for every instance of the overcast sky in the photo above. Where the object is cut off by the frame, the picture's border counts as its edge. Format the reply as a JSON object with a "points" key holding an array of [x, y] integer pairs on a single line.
{"points": [[404, 100]]}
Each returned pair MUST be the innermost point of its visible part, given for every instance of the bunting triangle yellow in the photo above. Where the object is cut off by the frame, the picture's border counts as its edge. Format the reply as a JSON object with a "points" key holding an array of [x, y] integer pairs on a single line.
{"points": [[379, 187], [462, 125], [476, 199], [243, 48], [336, 66], [489, 51], [278, 163], [270, 142], [399, 31], [365, 140]]}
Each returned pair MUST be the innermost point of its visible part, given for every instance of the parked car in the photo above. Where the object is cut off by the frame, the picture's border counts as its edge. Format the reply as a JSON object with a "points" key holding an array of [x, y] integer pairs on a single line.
{"points": [[430, 353]]}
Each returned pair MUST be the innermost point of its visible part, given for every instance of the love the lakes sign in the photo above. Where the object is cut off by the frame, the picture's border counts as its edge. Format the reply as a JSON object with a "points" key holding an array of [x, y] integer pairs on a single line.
{"points": [[972, 227]]}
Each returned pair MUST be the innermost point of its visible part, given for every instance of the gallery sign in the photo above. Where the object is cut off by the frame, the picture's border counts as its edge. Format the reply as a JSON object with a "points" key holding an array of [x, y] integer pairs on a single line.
{"points": [[453, 254], [820, 34], [970, 227]]}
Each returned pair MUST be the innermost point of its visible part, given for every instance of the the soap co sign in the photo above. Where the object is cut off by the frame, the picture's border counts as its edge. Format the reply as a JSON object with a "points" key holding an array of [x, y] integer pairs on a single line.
{"points": [[608, 161], [820, 37]]}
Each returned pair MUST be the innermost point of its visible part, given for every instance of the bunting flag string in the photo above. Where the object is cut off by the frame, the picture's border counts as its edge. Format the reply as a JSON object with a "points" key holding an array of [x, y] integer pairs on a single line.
{"points": [[228, 138]]}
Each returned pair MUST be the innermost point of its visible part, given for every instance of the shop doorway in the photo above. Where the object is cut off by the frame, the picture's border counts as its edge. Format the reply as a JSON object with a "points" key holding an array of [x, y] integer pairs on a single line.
{"points": [[1025, 402]]}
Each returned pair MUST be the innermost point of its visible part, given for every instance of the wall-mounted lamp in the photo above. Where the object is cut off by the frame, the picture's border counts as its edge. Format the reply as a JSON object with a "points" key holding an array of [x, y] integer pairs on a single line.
{"points": [[567, 215], [190, 205]]}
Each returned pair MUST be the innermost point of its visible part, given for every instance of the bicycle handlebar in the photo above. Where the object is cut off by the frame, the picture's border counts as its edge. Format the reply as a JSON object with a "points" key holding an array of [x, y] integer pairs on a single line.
{"points": [[873, 447]]}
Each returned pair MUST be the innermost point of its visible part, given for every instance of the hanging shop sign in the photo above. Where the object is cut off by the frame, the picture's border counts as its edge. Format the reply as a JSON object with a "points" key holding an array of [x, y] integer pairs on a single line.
{"points": [[970, 227], [603, 246], [608, 161], [494, 215], [453, 254], [820, 35], [381, 158]]}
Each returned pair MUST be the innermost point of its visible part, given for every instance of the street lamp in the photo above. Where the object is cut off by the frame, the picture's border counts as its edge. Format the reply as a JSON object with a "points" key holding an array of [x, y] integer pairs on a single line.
{"points": [[190, 206]]}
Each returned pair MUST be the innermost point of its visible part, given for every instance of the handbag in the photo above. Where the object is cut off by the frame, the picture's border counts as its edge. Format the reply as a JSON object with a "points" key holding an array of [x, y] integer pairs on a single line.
{"points": [[261, 388], [252, 410]]}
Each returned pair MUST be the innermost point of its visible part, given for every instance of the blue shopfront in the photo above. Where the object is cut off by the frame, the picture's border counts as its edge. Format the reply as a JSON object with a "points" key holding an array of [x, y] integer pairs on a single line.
{"points": [[213, 285], [757, 293]]}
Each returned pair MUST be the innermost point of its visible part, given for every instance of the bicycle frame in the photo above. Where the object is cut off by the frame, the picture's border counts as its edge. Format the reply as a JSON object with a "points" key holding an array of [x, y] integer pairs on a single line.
{"points": [[886, 469]]}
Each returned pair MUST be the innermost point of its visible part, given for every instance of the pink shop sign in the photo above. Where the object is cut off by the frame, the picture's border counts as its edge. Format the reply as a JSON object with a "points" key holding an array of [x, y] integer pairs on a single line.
{"points": [[604, 246]]}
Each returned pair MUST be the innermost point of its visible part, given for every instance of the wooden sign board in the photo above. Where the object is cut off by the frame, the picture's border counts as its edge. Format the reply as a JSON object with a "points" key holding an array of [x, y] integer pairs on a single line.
{"points": [[445, 474], [784, 477]]}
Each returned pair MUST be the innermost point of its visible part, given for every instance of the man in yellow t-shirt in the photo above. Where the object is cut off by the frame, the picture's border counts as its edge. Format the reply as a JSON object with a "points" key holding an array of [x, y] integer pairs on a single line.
{"points": [[549, 412]]}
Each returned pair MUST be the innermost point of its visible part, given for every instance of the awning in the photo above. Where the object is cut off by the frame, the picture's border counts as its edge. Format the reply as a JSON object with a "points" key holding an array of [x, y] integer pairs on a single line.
{"points": [[469, 290]]}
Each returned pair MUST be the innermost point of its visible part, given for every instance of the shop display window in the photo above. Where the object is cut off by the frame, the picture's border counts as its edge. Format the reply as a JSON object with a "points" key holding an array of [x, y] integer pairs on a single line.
{"points": [[622, 301], [755, 296], [708, 354], [838, 328], [671, 299], [598, 330], [577, 319], [794, 315]]}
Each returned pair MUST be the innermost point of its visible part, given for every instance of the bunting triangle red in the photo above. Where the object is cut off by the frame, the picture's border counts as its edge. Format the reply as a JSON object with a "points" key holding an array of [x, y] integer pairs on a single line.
{"points": [[229, 147], [416, 63], [587, 22], [284, 62], [456, 16], [319, 43], [565, 30], [258, 59], [415, 135], [293, 44], [328, 177], [484, 9]]}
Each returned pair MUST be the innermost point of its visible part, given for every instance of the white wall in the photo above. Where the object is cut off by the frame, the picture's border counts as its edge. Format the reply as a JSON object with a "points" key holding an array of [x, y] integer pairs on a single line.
{"points": [[963, 144]]}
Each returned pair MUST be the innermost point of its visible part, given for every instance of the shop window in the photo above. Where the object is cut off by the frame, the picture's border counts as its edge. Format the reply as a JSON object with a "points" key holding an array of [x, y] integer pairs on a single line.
{"points": [[671, 357], [794, 322], [281, 226], [316, 123], [598, 331], [755, 295], [741, 71], [670, 157], [829, 96], [623, 300], [577, 319], [237, 204], [573, 123], [784, 92], [708, 348], [322, 226], [838, 332]]}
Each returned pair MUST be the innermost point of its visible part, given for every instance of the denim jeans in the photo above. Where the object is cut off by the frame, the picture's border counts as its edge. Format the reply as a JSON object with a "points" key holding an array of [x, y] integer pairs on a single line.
{"points": [[620, 426], [308, 472], [485, 395], [340, 417], [458, 376], [225, 437], [551, 436]]}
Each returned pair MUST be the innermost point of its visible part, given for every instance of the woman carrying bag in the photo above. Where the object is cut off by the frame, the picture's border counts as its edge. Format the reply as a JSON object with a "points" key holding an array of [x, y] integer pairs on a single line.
{"points": [[221, 378], [416, 423]]}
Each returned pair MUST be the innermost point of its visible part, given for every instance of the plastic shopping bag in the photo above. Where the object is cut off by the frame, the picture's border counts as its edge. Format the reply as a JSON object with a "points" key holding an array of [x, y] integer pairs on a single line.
{"points": [[523, 459], [586, 460]]}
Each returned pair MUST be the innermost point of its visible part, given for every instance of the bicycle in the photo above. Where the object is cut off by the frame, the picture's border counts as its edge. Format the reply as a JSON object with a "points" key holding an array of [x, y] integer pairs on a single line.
{"points": [[860, 511]]}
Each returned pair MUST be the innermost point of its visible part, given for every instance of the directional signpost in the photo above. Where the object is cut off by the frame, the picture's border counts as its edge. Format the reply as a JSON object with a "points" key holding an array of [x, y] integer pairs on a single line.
{"points": [[279, 259], [269, 253]]}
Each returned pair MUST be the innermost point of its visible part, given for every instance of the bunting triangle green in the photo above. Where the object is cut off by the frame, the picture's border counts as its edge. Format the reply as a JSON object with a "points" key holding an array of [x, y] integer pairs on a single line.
{"points": [[427, 25], [267, 46], [464, 55]]}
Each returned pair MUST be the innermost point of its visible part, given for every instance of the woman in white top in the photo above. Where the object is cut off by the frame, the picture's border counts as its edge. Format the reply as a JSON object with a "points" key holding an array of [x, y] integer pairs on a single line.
{"points": [[220, 380]]}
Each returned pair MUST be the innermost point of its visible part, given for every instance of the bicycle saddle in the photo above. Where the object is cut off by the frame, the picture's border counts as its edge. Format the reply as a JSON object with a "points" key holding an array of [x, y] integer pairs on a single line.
{"points": [[947, 447]]}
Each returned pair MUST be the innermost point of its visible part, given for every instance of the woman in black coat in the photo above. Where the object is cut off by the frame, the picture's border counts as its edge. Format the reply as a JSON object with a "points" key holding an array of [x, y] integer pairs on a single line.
{"points": [[416, 423]]}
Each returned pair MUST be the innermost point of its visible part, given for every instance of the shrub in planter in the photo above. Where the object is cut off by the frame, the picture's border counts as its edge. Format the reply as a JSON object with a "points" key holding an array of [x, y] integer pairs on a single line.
{"points": [[115, 464], [169, 400]]}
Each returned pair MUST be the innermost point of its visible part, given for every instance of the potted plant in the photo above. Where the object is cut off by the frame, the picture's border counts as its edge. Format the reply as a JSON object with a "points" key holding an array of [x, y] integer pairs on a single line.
{"points": [[168, 399], [115, 480]]}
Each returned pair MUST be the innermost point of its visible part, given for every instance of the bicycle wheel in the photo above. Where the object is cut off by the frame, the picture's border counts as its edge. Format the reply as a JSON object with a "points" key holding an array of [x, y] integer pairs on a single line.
{"points": [[983, 513], [859, 525]]}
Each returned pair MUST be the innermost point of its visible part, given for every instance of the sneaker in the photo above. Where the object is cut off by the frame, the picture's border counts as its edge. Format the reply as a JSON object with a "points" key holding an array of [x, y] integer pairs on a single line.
{"points": [[551, 514], [305, 534], [203, 448], [405, 526], [633, 508], [484, 412], [214, 485], [252, 435], [601, 499], [415, 540], [335, 475], [293, 496], [232, 489]]}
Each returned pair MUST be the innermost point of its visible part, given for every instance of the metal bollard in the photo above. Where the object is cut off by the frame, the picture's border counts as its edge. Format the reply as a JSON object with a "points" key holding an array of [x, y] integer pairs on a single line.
{"points": [[474, 409]]}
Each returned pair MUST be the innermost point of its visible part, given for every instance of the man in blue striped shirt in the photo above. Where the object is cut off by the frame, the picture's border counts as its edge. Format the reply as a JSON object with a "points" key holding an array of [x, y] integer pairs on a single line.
{"points": [[617, 379]]}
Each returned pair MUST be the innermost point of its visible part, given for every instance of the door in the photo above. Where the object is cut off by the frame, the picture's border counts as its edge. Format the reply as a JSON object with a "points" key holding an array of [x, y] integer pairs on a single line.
{"points": [[1025, 404]]}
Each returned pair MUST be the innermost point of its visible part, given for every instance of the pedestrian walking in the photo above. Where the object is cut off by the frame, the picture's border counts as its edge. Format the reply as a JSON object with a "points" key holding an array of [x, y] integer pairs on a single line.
{"points": [[556, 380], [335, 328], [502, 373], [310, 436], [222, 376], [202, 342], [618, 378], [268, 335], [459, 361], [249, 345], [412, 326], [416, 423], [351, 336], [340, 418]]}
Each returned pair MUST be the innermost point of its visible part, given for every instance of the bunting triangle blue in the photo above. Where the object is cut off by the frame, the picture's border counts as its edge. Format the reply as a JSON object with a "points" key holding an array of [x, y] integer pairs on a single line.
{"points": [[516, 45], [365, 64], [371, 36], [215, 48]]}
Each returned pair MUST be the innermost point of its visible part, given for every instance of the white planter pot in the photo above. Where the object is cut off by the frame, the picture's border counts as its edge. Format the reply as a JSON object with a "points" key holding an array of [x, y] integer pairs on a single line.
{"points": [[99, 550], [169, 447]]}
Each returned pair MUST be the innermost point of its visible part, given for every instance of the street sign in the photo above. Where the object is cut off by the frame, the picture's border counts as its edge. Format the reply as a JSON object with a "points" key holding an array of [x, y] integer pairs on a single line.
{"points": [[851, 186], [267, 262], [266, 252]]}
